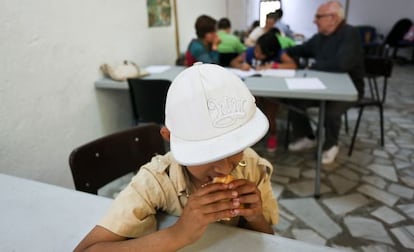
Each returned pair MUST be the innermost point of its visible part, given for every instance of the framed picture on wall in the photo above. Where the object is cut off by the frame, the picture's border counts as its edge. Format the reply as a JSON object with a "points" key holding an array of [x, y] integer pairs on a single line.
{"points": [[159, 13]]}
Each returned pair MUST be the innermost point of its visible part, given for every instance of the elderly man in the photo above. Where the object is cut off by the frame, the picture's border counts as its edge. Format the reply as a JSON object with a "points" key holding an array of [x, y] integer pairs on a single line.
{"points": [[335, 48]]}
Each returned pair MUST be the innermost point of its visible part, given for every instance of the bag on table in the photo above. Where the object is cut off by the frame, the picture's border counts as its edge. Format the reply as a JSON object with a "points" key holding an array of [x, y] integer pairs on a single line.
{"points": [[122, 72]]}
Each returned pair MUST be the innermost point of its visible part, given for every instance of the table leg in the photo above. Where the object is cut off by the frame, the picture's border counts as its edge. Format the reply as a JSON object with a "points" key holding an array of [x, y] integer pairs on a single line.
{"points": [[321, 121]]}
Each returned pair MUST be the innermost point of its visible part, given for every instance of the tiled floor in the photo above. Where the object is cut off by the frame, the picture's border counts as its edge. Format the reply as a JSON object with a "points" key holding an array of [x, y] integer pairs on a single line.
{"points": [[366, 201]]}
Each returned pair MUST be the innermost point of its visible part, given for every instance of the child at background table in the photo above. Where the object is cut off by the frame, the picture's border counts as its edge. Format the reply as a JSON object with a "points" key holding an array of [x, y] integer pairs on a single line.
{"points": [[267, 54], [204, 47]]}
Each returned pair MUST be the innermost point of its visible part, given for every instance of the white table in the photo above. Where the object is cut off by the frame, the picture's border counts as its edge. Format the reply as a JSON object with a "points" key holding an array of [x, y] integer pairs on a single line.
{"points": [[42, 217], [339, 87]]}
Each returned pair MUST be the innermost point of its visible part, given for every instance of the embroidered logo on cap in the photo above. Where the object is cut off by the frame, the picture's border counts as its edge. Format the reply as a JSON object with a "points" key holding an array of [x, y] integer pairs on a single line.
{"points": [[226, 112]]}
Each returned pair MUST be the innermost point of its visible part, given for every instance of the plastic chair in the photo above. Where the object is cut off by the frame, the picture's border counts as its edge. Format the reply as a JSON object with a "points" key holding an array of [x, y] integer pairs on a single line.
{"points": [[375, 69], [148, 99], [101, 161]]}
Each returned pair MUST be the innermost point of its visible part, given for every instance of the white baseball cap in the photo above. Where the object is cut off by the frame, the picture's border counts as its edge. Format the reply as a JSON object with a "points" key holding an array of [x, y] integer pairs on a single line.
{"points": [[211, 115]]}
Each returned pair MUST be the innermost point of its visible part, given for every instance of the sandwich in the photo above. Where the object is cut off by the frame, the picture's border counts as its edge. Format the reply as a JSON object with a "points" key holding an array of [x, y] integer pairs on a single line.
{"points": [[224, 179]]}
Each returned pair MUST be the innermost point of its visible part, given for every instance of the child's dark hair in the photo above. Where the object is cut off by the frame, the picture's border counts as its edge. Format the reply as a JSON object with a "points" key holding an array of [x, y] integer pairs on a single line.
{"points": [[279, 13], [272, 15], [269, 44], [224, 23], [205, 24]]}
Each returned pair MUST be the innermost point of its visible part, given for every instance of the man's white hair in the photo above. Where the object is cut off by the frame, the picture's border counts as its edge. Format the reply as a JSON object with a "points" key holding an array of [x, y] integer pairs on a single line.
{"points": [[337, 8]]}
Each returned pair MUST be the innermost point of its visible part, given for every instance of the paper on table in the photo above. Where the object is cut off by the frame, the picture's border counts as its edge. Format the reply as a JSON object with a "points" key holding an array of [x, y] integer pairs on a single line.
{"points": [[305, 83], [157, 69], [268, 72], [242, 73], [278, 72]]}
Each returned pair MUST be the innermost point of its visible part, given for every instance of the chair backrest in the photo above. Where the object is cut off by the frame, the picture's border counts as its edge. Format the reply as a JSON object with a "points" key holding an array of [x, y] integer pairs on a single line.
{"points": [[148, 99], [367, 33], [378, 67], [226, 58], [99, 162], [398, 31]]}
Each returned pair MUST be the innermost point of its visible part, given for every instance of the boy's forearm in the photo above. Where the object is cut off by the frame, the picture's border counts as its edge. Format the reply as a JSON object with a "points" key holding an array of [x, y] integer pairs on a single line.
{"points": [[258, 224], [167, 239]]}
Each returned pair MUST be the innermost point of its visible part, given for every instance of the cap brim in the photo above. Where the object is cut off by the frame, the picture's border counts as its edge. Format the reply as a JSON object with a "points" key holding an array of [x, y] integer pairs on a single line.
{"points": [[207, 151]]}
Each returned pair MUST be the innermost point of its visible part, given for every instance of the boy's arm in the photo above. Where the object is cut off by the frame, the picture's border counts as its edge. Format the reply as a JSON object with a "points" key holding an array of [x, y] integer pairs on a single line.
{"points": [[101, 239], [205, 206], [240, 63], [286, 62]]}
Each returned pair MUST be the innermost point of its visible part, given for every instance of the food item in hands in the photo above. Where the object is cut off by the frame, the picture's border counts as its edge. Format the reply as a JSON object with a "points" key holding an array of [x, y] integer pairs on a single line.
{"points": [[225, 179]]}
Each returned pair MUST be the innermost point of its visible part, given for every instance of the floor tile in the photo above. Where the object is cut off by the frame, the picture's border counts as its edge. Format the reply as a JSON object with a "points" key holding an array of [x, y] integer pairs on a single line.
{"points": [[368, 229], [388, 215], [385, 171], [309, 211], [405, 235], [408, 209], [345, 204], [341, 184], [307, 188], [383, 196], [401, 191], [308, 235]]}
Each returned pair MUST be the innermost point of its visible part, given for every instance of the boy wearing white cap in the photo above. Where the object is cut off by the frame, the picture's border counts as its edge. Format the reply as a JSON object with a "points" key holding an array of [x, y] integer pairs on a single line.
{"points": [[211, 120]]}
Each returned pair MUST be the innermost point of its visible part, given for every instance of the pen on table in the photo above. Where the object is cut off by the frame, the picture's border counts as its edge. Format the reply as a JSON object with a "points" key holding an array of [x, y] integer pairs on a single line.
{"points": [[308, 64]]}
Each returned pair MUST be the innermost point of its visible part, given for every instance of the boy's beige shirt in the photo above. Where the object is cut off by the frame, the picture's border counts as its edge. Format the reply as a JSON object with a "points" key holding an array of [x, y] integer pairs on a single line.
{"points": [[161, 185]]}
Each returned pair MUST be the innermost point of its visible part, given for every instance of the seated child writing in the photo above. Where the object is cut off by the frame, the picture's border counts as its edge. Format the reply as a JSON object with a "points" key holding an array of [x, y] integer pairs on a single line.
{"points": [[266, 54], [211, 120]]}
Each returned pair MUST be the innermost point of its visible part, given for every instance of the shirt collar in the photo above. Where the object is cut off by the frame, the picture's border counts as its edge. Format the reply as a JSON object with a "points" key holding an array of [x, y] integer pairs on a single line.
{"points": [[177, 173]]}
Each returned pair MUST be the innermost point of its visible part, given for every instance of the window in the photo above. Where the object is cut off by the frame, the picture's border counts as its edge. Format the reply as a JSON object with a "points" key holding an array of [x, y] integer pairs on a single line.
{"points": [[267, 7]]}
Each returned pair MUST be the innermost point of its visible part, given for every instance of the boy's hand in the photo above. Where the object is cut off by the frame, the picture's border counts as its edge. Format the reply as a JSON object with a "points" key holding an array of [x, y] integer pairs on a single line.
{"points": [[207, 205], [249, 197], [251, 200]]}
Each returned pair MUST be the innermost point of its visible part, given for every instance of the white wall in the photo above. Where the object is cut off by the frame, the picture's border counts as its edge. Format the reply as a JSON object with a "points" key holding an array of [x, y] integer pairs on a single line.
{"points": [[188, 11], [382, 14], [50, 54]]}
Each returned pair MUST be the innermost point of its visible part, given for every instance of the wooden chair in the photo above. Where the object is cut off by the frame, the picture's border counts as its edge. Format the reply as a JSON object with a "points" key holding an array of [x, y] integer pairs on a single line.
{"points": [[101, 161], [148, 99]]}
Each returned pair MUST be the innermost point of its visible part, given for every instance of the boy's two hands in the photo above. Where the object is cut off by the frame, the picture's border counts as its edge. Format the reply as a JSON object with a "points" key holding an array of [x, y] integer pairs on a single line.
{"points": [[215, 202]]}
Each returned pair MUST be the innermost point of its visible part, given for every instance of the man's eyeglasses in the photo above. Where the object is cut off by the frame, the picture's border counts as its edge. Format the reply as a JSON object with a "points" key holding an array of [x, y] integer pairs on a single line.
{"points": [[319, 16]]}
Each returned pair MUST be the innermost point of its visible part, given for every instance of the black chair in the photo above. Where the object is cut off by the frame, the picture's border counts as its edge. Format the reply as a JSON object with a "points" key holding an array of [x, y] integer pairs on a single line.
{"points": [[101, 161], [371, 41], [395, 37], [226, 58], [148, 99], [375, 68]]}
